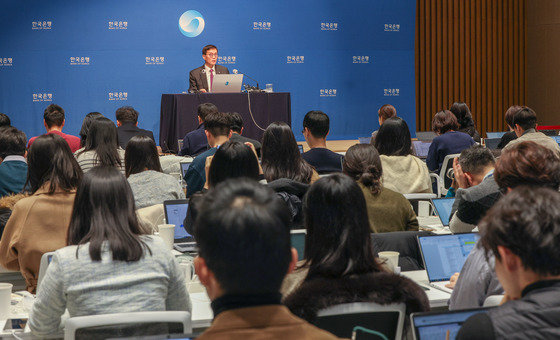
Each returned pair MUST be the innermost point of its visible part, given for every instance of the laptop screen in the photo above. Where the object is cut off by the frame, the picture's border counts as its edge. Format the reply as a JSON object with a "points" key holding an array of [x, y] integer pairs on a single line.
{"points": [[175, 213], [492, 143], [495, 134], [443, 208], [444, 325], [444, 255], [421, 148], [184, 168]]}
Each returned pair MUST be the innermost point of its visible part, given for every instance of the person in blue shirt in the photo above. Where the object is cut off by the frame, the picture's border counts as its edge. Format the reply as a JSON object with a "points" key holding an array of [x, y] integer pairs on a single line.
{"points": [[195, 141], [13, 169], [217, 128]]}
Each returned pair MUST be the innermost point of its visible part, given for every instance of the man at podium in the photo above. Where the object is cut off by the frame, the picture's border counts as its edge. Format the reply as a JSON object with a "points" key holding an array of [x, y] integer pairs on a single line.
{"points": [[201, 78]]}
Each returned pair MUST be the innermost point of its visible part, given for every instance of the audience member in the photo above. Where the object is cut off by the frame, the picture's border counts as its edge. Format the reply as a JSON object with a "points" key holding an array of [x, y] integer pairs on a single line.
{"points": [[102, 147], [108, 266], [465, 120], [86, 124], [5, 120], [315, 131], [39, 223], [340, 266], [13, 169], [525, 124], [478, 190], [449, 141], [127, 125], [250, 221], [527, 164], [195, 142], [149, 184], [402, 171], [237, 131], [7, 204], [281, 157], [217, 127], [522, 232], [510, 135], [387, 210], [54, 119], [385, 112]]}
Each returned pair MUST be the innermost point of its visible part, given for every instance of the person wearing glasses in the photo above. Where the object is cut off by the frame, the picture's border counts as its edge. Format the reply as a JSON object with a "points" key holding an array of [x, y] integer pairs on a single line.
{"points": [[201, 78]]}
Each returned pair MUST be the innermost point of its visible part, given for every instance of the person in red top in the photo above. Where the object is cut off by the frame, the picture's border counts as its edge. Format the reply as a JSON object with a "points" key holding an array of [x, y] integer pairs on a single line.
{"points": [[53, 118]]}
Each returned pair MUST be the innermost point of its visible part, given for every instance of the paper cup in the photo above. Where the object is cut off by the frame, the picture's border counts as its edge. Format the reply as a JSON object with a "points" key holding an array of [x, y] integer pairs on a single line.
{"points": [[391, 258], [167, 233], [5, 300]]}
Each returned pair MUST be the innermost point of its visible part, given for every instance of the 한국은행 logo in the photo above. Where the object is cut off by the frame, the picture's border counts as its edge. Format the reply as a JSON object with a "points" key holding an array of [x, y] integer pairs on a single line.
{"points": [[360, 59], [6, 62], [230, 59], [329, 26], [295, 59], [262, 25], [79, 60], [327, 93], [391, 92], [191, 23], [42, 97], [392, 27], [41, 25], [155, 60], [117, 25], [118, 96]]}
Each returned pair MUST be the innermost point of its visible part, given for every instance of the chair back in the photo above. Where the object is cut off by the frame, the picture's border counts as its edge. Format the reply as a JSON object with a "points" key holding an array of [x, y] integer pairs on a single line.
{"points": [[127, 325], [341, 320], [406, 243], [415, 200], [445, 166], [45, 261]]}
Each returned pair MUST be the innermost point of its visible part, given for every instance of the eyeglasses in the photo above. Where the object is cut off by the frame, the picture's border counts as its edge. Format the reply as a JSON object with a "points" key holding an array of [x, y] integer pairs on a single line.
{"points": [[212, 55]]}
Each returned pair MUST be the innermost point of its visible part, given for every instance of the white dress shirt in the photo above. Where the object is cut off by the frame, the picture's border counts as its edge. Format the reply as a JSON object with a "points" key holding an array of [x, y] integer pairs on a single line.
{"points": [[207, 71]]}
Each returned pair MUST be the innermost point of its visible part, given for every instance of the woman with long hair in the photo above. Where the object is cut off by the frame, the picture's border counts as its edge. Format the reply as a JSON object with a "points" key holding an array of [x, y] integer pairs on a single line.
{"points": [[464, 118], [387, 210], [102, 146], [402, 171], [339, 262], [86, 124], [149, 184], [108, 266], [39, 223]]}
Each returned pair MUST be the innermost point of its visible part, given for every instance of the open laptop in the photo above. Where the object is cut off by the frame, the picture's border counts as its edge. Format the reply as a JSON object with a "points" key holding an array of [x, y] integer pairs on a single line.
{"points": [[495, 134], [443, 207], [185, 167], [444, 255], [441, 325], [364, 140], [175, 213], [556, 138], [425, 136], [420, 148], [227, 83], [492, 143]]}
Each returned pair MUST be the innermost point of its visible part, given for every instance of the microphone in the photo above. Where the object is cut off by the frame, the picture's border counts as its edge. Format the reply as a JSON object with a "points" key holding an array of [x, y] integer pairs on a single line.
{"points": [[235, 71]]}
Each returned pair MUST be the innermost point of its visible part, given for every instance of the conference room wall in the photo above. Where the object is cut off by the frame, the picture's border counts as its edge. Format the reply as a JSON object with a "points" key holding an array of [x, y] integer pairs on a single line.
{"points": [[346, 60]]}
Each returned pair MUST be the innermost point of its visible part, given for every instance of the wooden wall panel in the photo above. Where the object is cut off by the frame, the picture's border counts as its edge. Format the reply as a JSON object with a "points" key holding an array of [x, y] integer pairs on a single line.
{"points": [[471, 51]]}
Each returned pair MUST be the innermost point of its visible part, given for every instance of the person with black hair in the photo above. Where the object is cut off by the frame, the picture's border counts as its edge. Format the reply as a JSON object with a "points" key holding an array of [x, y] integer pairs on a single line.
{"points": [[387, 209], [247, 219], [127, 125], [86, 124], [201, 78], [524, 125], [4, 120], [149, 184], [54, 120], [315, 130], [465, 120], [237, 131], [510, 135], [402, 171], [217, 128], [108, 265], [39, 223], [13, 169], [195, 142], [340, 265], [522, 233], [102, 147]]}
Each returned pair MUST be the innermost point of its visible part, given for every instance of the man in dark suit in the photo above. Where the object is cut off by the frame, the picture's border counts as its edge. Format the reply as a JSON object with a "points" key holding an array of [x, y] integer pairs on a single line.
{"points": [[237, 130], [195, 142], [127, 125], [201, 78]]}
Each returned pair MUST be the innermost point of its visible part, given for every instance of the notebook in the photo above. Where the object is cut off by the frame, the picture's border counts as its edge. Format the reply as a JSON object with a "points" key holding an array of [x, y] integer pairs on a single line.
{"points": [[441, 325], [175, 213]]}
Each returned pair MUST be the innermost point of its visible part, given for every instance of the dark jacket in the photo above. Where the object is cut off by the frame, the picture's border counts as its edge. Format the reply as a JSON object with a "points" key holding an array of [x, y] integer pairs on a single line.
{"points": [[471, 131], [194, 142], [449, 143], [506, 138], [381, 287], [292, 193], [235, 137], [128, 130], [197, 77], [13, 174]]}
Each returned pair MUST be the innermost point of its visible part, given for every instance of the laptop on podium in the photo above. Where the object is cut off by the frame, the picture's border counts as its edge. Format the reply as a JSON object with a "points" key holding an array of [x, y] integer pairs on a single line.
{"points": [[227, 83]]}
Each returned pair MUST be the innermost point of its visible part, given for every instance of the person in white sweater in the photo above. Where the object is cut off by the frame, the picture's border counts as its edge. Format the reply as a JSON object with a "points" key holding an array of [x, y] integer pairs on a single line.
{"points": [[108, 266], [402, 171]]}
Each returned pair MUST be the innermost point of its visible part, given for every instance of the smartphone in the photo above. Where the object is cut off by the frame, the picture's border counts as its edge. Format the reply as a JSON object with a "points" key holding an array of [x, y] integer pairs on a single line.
{"points": [[15, 324]]}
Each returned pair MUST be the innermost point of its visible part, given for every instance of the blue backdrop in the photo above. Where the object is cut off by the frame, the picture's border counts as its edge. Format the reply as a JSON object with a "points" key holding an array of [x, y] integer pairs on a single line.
{"points": [[345, 58]]}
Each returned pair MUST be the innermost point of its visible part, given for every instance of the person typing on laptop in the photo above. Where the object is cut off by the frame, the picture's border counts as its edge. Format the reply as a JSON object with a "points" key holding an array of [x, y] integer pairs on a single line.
{"points": [[201, 78]]}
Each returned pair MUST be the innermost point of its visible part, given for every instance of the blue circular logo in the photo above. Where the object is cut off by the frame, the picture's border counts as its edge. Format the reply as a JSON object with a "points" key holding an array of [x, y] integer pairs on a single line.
{"points": [[191, 23]]}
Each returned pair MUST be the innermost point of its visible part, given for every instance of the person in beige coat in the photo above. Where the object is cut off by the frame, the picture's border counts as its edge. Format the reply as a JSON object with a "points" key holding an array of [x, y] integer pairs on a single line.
{"points": [[39, 223], [525, 124]]}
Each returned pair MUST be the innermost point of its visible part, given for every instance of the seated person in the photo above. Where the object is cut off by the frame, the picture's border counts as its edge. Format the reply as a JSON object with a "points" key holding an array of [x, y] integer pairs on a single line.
{"points": [[465, 120], [247, 219], [478, 190], [4, 120], [402, 171], [108, 266], [39, 223], [385, 112], [340, 265], [86, 124], [527, 164], [524, 125], [387, 210], [13, 169], [201, 78], [102, 146], [315, 131], [127, 125], [195, 142], [448, 141], [54, 120], [217, 128], [237, 131], [149, 184], [522, 232], [510, 135]]}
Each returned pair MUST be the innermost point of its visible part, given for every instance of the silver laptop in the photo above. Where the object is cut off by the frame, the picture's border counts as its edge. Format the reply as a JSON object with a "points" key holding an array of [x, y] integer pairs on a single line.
{"points": [[227, 83], [444, 255], [175, 213], [441, 325]]}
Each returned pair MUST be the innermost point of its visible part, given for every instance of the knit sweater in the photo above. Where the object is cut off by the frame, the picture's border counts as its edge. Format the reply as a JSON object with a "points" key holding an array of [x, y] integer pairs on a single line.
{"points": [[152, 187], [405, 174]]}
